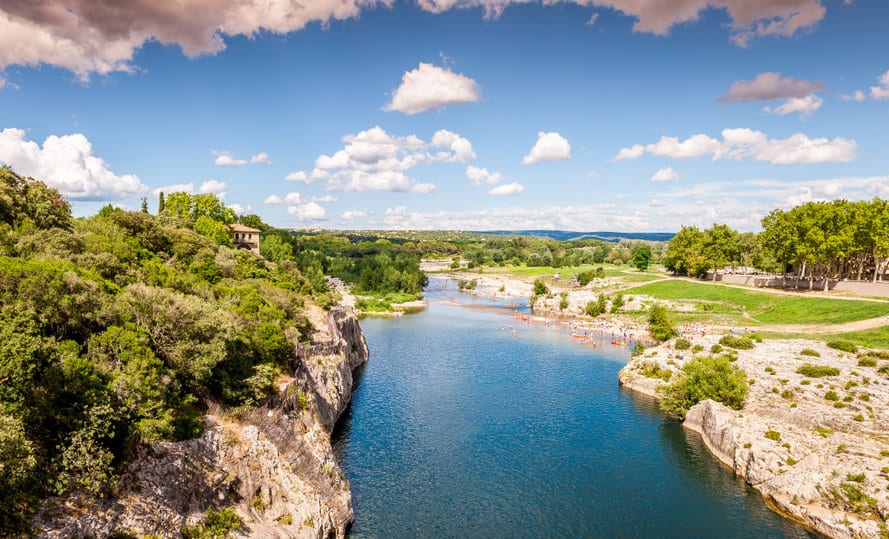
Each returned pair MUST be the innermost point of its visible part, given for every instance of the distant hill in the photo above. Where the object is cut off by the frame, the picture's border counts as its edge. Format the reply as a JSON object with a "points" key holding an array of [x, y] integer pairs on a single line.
{"points": [[563, 235]]}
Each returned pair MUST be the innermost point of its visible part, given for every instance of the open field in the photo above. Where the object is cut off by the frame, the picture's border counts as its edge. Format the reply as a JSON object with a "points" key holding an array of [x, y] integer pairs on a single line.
{"points": [[872, 338], [769, 308]]}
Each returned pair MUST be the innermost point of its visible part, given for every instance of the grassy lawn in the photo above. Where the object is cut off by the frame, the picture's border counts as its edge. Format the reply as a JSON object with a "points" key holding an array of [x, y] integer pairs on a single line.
{"points": [[639, 277], [872, 338], [769, 308]]}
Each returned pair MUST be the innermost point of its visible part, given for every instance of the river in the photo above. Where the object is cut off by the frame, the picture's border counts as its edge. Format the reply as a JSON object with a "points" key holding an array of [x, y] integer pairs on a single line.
{"points": [[459, 427]]}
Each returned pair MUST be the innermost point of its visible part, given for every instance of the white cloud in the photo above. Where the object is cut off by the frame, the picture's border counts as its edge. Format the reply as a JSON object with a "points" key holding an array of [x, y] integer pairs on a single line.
{"points": [[374, 160], [693, 146], [239, 209], [326, 199], [750, 19], [549, 146], [431, 87], [66, 163], [768, 86], [747, 143], [592, 20], [289, 199], [507, 189], [857, 95], [225, 159], [592, 174], [176, 188], [354, 215], [882, 90], [213, 186], [655, 203], [309, 211], [261, 158], [101, 36], [665, 175], [805, 106], [634, 151], [479, 175]]}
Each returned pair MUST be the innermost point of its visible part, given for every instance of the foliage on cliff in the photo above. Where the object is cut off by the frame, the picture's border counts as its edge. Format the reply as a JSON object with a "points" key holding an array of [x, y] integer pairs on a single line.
{"points": [[705, 377], [115, 330]]}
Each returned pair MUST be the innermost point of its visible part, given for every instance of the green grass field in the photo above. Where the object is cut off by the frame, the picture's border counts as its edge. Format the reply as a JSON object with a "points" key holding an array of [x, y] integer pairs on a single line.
{"points": [[872, 338], [768, 308]]}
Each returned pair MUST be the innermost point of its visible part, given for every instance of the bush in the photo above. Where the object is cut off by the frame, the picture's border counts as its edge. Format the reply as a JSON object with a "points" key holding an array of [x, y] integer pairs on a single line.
{"points": [[817, 371], [843, 345], [715, 349], [867, 361], [703, 378], [697, 348], [216, 525], [650, 369], [809, 352], [682, 344], [739, 343], [660, 327], [540, 288], [773, 435]]}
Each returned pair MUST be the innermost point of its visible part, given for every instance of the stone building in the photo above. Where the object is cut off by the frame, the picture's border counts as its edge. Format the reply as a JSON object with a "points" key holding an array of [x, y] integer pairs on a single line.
{"points": [[245, 237]]}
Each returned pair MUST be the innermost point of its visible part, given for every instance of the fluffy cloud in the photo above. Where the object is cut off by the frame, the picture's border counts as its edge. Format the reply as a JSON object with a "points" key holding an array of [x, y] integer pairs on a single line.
{"points": [[239, 209], [507, 189], [747, 143], [634, 151], [805, 106], [665, 175], [549, 147], [768, 86], [309, 211], [374, 160], [481, 175], [882, 90], [326, 199], [750, 18], [66, 163], [101, 36], [176, 188], [430, 87], [261, 158], [298, 206], [354, 215], [225, 159], [857, 95], [215, 187]]}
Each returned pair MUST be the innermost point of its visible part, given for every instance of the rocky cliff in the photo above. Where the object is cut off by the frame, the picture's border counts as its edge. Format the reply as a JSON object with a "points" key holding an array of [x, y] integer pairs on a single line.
{"points": [[274, 466], [816, 448]]}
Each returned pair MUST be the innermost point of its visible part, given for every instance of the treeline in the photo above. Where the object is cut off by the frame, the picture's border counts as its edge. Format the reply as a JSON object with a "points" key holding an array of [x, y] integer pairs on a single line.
{"points": [[533, 252], [117, 329], [825, 240]]}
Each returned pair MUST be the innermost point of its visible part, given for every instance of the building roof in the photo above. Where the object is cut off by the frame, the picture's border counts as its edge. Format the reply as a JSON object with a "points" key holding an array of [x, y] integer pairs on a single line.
{"points": [[241, 228]]}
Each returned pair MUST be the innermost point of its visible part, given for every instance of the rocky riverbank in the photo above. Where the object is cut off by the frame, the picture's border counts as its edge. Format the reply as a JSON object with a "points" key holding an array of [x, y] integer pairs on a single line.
{"points": [[273, 466], [816, 447]]}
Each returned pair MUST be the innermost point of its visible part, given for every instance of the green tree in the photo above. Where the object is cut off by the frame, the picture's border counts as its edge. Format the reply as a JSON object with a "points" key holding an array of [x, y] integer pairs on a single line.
{"points": [[703, 378], [641, 257], [660, 326], [161, 203], [213, 229], [719, 247], [683, 255], [275, 248]]}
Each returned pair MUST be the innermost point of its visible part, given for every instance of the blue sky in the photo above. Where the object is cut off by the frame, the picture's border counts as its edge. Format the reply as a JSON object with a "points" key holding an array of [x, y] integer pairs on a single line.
{"points": [[452, 114]]}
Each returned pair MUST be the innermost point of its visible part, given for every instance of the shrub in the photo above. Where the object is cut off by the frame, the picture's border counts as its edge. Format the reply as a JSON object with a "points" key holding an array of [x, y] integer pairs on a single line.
{"points": [[843, 345], [867, 361], [715, 349], [650, 369], [682, 344], [832, 396], [787, 394], [773, 435], [660, 327], [739, 343], [817, 371], [697, 348], [705, 378], [638, 349], [809, 352], [216, 524], [540, 288]]}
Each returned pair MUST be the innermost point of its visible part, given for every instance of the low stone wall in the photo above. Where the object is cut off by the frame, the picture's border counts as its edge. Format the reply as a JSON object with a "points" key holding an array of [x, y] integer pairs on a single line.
{"points": [[859, 288]]}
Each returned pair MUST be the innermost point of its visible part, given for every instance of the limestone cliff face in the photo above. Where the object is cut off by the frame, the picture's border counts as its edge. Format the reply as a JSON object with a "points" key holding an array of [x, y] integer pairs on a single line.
{"points": [[820, 461], [275, 466]]}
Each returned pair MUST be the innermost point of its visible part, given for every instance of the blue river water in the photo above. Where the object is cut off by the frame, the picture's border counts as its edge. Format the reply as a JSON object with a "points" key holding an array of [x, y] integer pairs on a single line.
{"points": [[459, 427]]}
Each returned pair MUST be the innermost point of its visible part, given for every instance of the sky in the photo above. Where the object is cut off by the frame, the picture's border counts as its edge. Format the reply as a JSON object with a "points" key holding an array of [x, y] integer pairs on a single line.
{"points": [[584, 115]]}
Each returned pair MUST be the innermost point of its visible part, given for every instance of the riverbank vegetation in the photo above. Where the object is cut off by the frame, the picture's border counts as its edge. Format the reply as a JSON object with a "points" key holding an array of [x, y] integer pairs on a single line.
{"points": [[116, 330], [704, 377]]}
